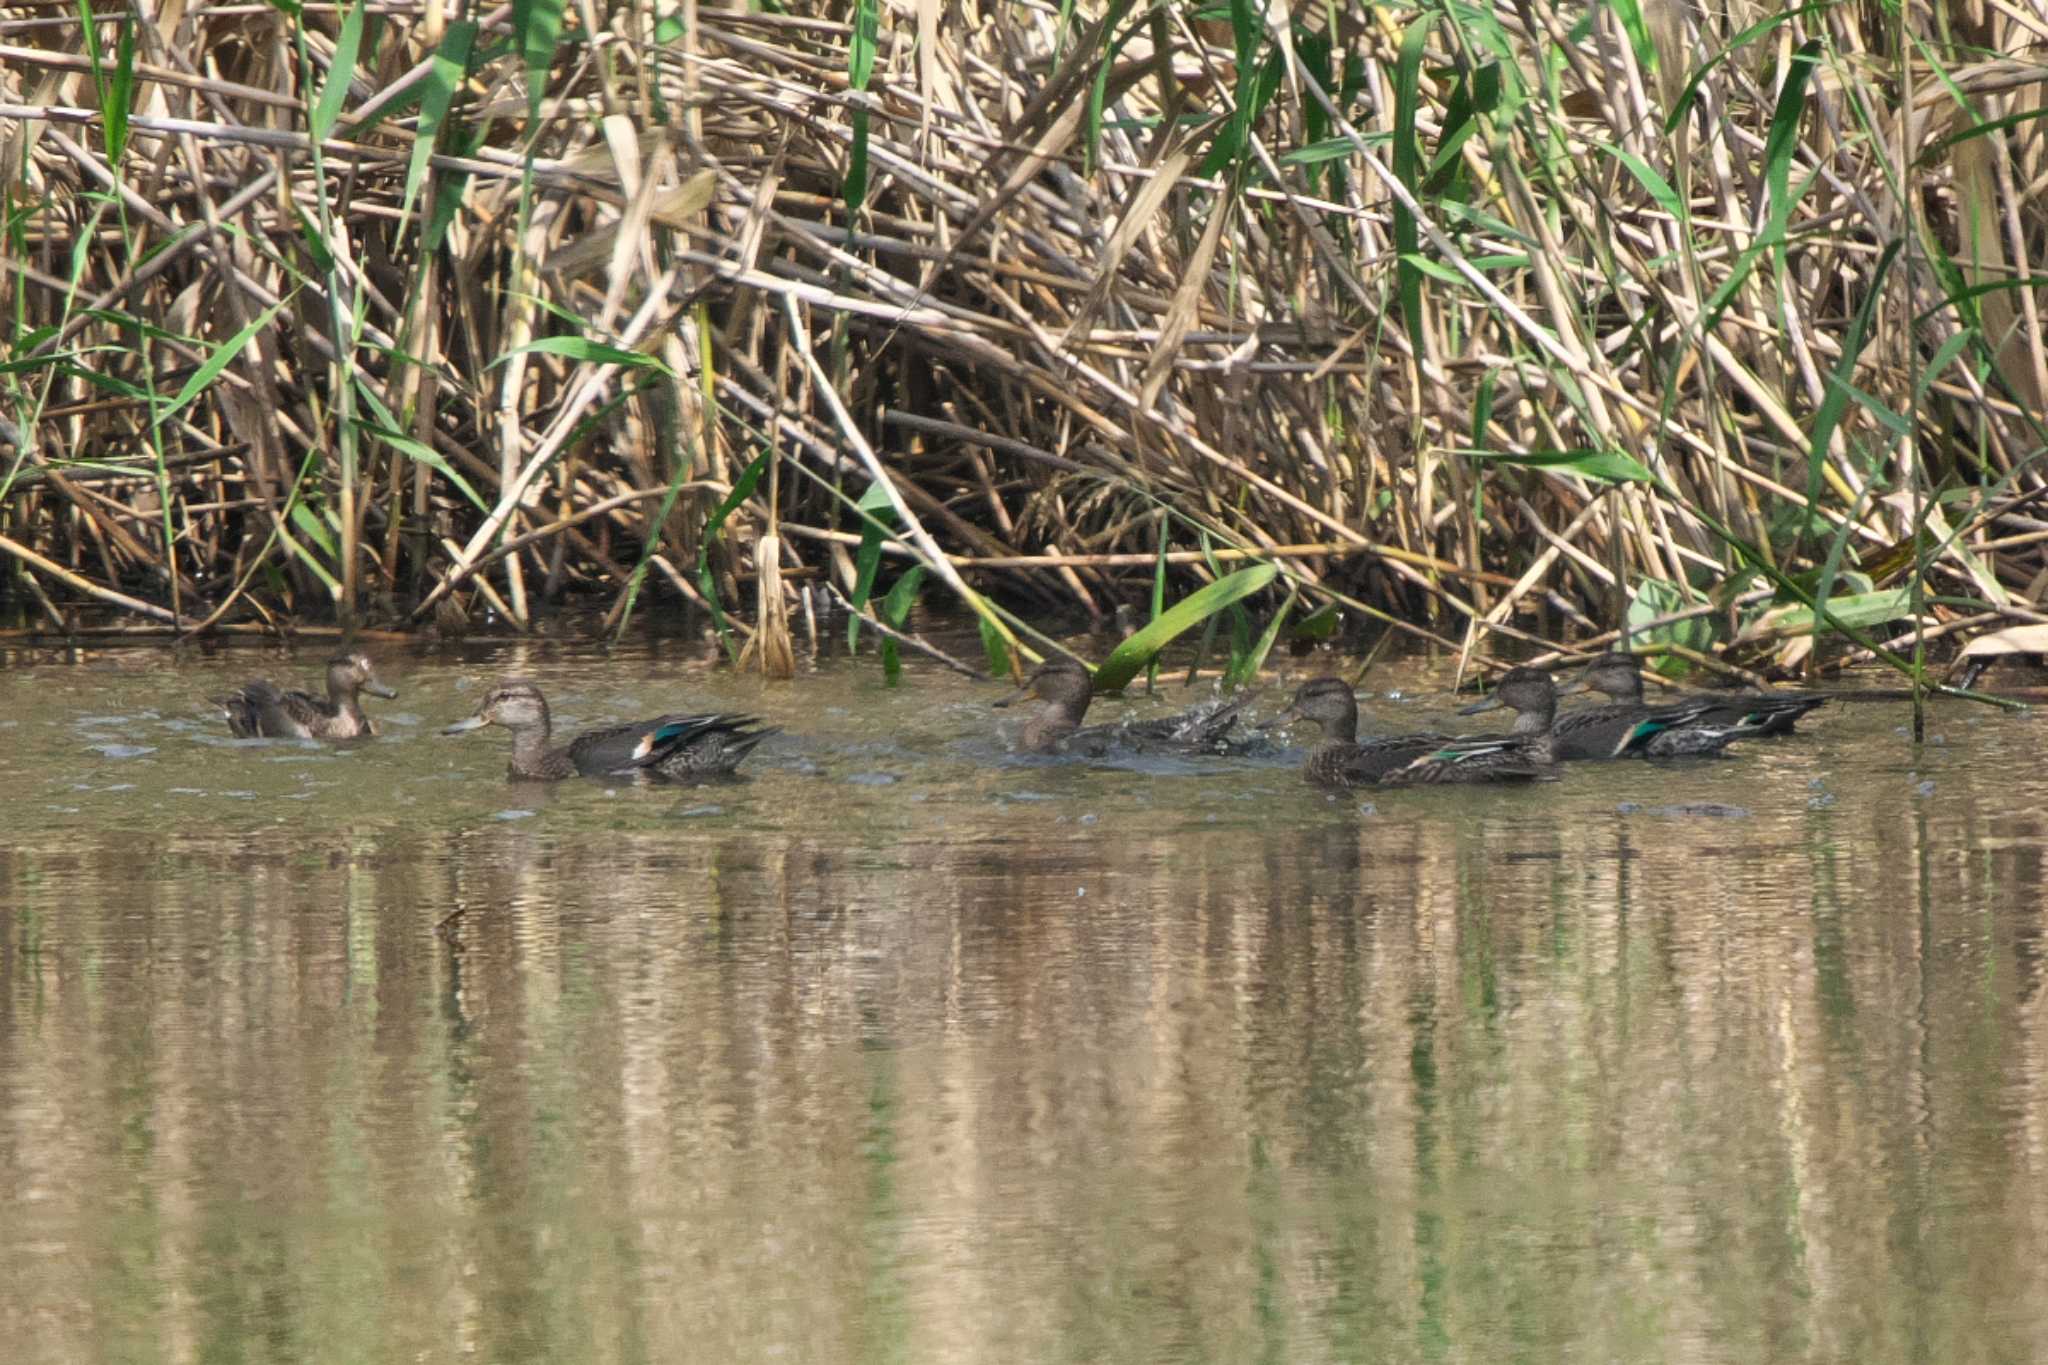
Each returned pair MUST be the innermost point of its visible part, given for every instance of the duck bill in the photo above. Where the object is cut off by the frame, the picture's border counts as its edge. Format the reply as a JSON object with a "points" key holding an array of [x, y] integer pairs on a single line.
{"points": [[1022, 694], [377, 689], [1576, 685], [1488, 704], [461, 727], [1287, 717]]}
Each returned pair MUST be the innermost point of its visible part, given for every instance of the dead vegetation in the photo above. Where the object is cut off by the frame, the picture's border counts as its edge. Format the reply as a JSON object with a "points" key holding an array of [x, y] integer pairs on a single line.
{"points": [[1483, 325]]}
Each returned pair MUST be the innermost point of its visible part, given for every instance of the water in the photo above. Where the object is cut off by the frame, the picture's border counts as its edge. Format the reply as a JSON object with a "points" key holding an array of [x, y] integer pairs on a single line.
{"points": [[900, 1050]]}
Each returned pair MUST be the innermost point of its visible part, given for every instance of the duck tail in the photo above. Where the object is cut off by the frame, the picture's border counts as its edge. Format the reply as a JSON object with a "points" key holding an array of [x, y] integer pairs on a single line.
{"points": [[682, 745], [1777, 715], [241, 713], [250, 708], [739, 744]]}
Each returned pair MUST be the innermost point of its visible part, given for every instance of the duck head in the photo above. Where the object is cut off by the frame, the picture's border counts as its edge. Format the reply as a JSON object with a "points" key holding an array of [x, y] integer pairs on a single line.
{"points": [[1063, 684], [514, 703], [1528, 691], [1326, 701], [1616, 674], [348, 674]]}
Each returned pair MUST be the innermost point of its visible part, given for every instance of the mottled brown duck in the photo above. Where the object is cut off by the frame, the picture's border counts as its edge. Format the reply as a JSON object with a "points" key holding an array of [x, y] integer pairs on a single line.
{"points": [[262, 708]]}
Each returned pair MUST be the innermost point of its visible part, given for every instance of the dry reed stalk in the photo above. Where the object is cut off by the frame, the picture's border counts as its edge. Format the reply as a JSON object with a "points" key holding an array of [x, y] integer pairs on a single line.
{"points": [[1073, 325], [769, 649]]}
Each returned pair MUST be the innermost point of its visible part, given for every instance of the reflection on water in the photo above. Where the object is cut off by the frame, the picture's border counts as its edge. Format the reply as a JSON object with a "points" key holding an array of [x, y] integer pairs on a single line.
{"points": [[898, 1051]]}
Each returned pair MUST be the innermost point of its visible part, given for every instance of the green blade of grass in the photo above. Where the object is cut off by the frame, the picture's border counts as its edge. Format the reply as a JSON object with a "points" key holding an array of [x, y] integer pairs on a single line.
{"points": [[421, 453], [860, 67], [537, 28], [588, 351], [995, 649], [220, 358], [120, 94], [1859, 610], [895, 610], [1142, 646], [742, 489], [1407, 169], [444, 77], [342, 70], [1601, 466], [312, 528], [1243, 670], [1833, 405], [876, 512]]}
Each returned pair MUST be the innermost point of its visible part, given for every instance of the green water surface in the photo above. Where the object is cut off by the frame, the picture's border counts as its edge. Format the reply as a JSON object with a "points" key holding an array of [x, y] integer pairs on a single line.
{"points": [[900, 1049]]}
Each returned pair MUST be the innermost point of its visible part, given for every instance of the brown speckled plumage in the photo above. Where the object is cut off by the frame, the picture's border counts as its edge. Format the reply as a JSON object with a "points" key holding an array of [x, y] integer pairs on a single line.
{"points": [[260, 707], [675, 746], [1060, 692], [1620, 676], [1615, 730], [1341, 760]]}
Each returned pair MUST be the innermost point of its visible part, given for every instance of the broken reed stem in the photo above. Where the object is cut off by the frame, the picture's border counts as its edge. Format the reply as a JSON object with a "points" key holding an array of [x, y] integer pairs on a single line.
{"points": [[86, 585], [904, 637], [769, 650]]}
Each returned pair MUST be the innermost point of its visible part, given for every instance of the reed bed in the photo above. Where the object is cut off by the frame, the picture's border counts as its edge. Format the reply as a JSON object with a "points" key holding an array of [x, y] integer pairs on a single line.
{"points": [[1533, 324]]}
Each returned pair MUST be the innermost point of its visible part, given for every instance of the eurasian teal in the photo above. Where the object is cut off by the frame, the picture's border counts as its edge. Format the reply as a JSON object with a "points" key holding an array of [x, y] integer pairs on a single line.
{"points": [[1620, 676], [1063, 688], [1341, 760], [261, 707], [667, 746], [1615, 730]]}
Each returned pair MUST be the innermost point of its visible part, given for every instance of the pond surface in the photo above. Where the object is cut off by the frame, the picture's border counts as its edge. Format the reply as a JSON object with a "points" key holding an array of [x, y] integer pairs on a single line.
{"points": [[899, 1049]]}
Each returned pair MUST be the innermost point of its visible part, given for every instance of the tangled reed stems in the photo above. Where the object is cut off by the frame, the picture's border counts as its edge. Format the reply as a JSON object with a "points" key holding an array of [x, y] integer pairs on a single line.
{"points": [[1723, 326]]}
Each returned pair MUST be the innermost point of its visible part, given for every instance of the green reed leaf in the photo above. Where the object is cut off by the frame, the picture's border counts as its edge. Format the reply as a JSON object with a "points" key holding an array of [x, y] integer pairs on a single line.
{"points": [[1142, 646], [340, 71]]}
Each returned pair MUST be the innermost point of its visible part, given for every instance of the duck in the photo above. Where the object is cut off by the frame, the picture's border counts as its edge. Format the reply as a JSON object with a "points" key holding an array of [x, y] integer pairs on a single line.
{"points": [[1620, 676], [1342, 760], [1613, 730], [260, 708], [675, 747], [1064, 687]]}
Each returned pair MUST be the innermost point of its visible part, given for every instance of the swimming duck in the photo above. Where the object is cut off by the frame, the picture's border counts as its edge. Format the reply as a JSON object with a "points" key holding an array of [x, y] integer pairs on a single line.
{"points": [[667, 746], [261, 708], [1342, 760], [1614, 730], [1620, 676], [1063, 688]]}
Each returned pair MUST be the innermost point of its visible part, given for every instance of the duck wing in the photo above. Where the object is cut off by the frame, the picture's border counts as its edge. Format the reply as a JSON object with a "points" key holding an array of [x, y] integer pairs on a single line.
{"points": [[1766, 713], [1364, 764], [666, 744], [1485, 758], [1621, 729], [261, 708], [705, 746], [1201, 729]]}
